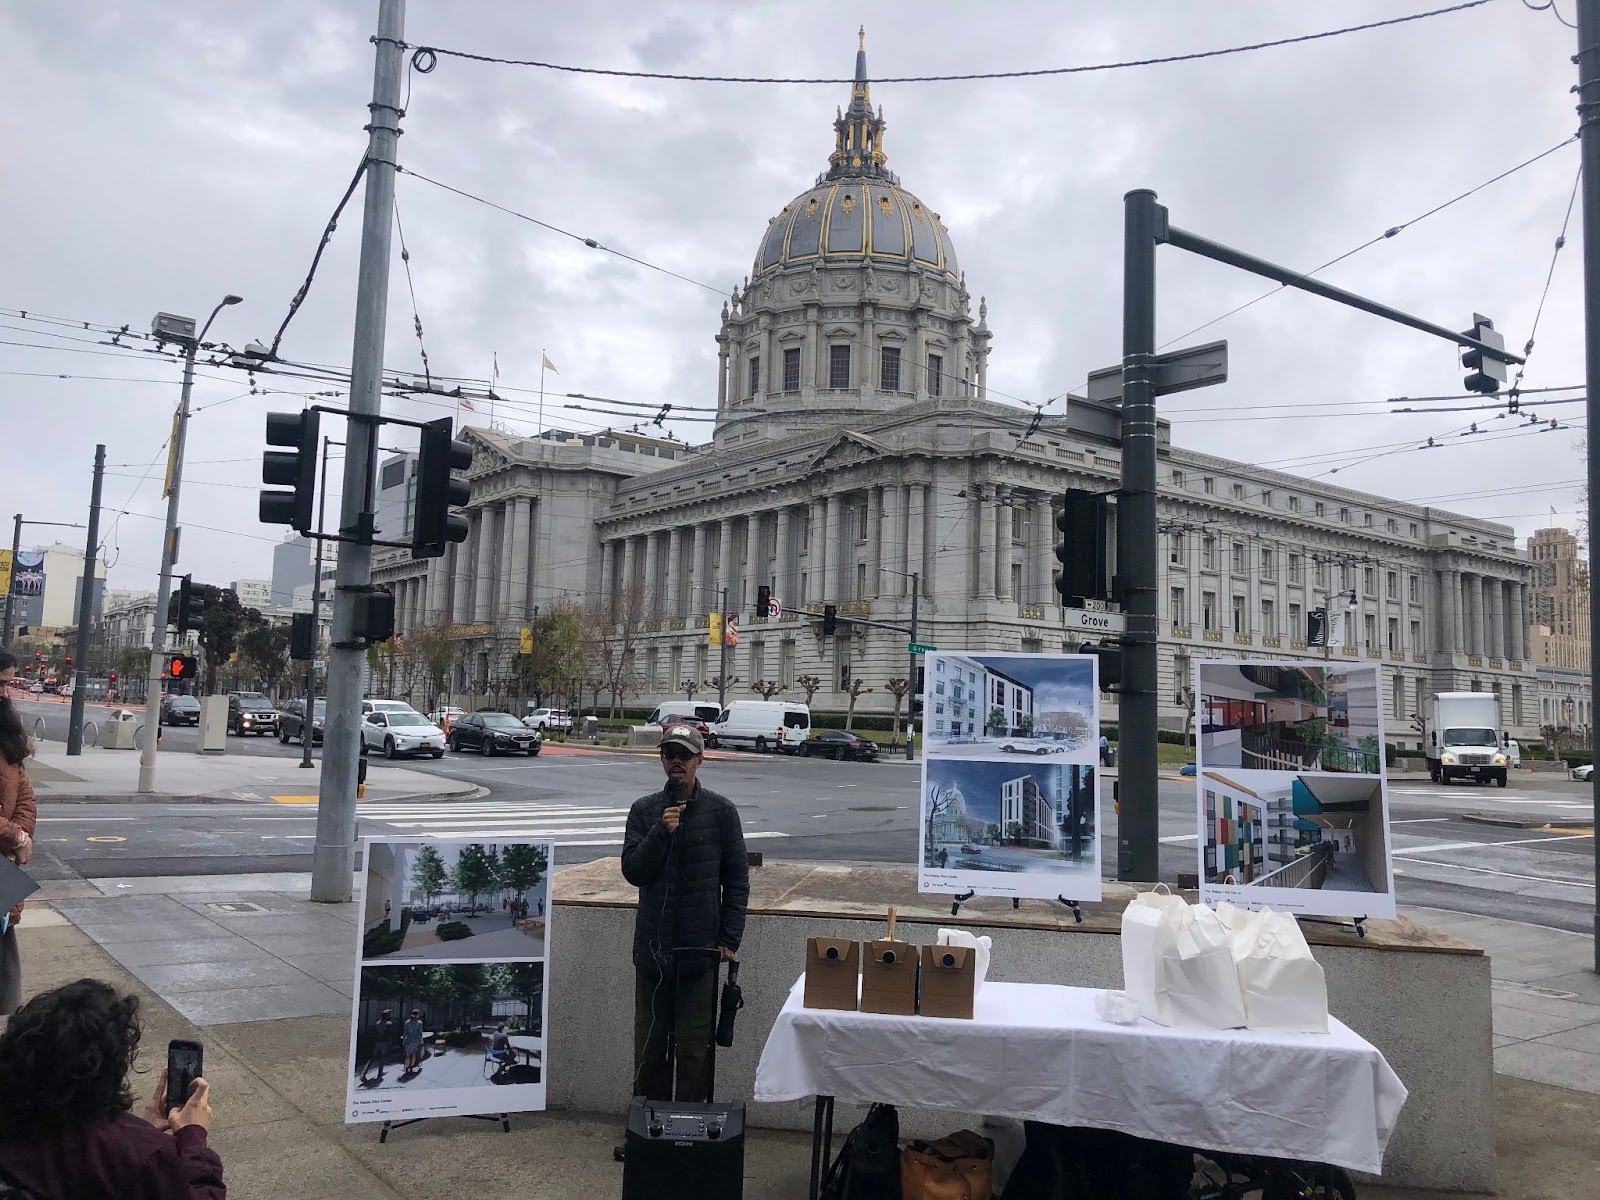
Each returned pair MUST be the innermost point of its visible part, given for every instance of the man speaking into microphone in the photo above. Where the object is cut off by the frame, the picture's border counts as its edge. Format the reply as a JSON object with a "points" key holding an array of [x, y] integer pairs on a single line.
{"points": [[684, 851]]}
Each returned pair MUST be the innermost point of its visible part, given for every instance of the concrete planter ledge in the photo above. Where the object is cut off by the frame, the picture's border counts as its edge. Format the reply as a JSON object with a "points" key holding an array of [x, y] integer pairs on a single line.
{"points": [[1418, 994]]}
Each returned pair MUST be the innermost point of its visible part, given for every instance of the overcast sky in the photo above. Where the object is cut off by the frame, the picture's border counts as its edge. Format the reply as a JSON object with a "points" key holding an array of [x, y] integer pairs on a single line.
{"points": [[162, 154]]}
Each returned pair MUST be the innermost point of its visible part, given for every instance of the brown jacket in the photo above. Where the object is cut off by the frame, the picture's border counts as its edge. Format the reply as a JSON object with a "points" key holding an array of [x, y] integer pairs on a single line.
{"points": [[18, 814]]}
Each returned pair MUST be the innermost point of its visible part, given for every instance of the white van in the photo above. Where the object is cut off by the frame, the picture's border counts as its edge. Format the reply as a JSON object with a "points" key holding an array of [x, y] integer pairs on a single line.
{"points": [[764, 724], [671, 710]]}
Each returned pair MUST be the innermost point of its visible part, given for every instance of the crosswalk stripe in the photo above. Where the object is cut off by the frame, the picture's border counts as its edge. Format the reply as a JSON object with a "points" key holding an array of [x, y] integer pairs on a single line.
{"points": [[502, 822]]}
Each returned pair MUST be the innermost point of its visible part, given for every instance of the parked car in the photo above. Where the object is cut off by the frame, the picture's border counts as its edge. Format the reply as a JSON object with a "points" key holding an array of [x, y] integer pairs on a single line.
{"points": [[37, 689], [251, 712], [494, 733], [670, 710], [763, 724], [1029, 746], [837, 744], [292, 721], [1584, 773], [442, 716], [1187, 770], [546, 719], [179, 710], [400, 733], [695, 723], [370, 705]]}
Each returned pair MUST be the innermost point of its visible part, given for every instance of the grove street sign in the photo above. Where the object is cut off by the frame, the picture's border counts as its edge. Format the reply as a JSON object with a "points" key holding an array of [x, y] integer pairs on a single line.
{"points": [[1196, 367], [919, 648], [1089, 621]]}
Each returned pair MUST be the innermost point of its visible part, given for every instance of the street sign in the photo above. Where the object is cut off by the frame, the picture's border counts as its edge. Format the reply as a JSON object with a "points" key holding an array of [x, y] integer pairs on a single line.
{"points": [[1196, 367], [774, 609], [919, 648], [1089, 621]]}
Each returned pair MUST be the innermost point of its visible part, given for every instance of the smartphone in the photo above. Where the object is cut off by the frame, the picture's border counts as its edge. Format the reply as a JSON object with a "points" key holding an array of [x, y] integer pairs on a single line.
{"points": [[185, 1064]]}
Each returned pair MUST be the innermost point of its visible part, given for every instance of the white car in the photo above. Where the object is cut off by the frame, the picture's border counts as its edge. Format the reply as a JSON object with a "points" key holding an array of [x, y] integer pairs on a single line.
{"points": [[369, 706], [398, 733], [1584, 773], [1027, 746], [440, 715], [545, 719]]}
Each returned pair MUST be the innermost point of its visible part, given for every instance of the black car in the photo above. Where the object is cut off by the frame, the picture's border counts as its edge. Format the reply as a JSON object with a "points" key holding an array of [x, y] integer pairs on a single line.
{"points": [[837, 744], [292, 721], [493, 733], [251, 712], [180, 710]]}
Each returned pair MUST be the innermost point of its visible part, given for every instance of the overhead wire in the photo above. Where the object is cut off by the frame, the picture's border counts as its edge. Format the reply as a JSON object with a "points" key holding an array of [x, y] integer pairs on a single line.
{"points": [[300, 295]]}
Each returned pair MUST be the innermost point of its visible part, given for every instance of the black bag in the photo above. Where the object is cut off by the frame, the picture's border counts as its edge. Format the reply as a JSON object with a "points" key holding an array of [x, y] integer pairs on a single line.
{"points": [[868, 1165], [1097, 1164]]}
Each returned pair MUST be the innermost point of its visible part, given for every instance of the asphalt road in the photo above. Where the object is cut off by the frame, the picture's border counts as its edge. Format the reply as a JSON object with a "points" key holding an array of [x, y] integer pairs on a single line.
{"points": [[811, 810]]}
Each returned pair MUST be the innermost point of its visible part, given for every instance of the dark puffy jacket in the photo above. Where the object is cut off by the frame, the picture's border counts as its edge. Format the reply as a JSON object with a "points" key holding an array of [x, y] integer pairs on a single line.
{"points": [[693, 884]]}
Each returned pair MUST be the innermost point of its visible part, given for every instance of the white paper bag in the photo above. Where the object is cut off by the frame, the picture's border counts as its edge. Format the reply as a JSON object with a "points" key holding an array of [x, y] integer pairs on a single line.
{"points": [[1283, 987], [1177, 964], [979, 945]]}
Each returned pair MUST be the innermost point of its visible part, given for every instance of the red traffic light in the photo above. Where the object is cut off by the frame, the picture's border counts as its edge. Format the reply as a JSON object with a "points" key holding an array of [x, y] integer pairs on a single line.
{"points": [[182, 666], [113, 677]]}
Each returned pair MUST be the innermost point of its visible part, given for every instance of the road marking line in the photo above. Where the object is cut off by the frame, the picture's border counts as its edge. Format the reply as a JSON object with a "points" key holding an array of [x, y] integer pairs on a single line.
{"points": [[1407, 821], [295, 799], [1414, 850], [1510, 875], [1180, 837], [87, 820]]}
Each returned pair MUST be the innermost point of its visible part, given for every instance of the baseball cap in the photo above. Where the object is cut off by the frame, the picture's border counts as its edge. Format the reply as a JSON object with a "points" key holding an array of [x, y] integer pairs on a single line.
{"points": [[686, 736]]}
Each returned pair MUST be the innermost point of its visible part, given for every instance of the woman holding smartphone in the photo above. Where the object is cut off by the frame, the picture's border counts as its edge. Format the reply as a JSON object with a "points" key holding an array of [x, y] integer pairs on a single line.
{"points": [[17, 816], [65, 1124]]}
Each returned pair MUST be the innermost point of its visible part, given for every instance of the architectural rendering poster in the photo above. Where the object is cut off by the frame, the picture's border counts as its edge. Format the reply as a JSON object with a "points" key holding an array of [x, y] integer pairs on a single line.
{"points": [[450, 1003], [1291, 795], [1009, 793]]}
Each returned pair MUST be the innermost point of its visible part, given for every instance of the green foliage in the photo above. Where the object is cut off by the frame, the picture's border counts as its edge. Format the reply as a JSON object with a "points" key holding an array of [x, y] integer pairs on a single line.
{"points": [[477, 870], [428, 873], [522, 866], [1025, 725], [556, 663], [453, 931], [264, 649], [221, 624], [381, 941], [997, 721]]}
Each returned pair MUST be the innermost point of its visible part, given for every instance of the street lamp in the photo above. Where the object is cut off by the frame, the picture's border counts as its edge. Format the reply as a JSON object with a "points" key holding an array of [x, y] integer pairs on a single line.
{"points": [[177, 329]]}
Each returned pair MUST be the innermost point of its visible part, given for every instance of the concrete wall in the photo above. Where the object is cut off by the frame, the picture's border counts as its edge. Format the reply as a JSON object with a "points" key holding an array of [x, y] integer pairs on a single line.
{"points": [[1428, 1012]]}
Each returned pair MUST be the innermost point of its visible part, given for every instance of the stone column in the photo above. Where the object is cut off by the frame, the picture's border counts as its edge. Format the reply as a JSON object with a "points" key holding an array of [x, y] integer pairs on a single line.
{"points": [[832, 546], [521, 514], [916, 525], [815, 559], [1042, 554], [754, 571], [1480, 615], [1497, 618], [784, 552], [674, 580], [607, 568], [483, 567], [727, 573], [1519, 622], [722, 371], [1458, 611], [983, 522], [504, 606], [461, 575], [811, 377], [891, 543], [1002, 537], [874, 541]]}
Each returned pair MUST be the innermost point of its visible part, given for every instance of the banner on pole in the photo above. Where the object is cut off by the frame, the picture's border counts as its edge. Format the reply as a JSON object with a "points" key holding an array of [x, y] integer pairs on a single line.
{"points": [[714, 629]]}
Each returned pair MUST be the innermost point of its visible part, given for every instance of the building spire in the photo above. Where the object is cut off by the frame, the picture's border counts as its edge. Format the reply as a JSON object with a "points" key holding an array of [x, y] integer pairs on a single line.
{"points": [[858, 131]]}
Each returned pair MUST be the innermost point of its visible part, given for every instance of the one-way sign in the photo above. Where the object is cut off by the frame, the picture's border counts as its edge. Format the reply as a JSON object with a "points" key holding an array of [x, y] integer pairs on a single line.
{"points": [[1196, 367]]}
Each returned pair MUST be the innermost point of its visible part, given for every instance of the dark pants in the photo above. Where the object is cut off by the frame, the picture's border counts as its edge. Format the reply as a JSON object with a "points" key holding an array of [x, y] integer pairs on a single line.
{"points": [[688, 1013]]}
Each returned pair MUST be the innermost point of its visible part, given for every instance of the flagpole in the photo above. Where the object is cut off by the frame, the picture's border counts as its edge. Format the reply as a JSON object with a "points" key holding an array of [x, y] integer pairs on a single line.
{"points": [[540, 431]]}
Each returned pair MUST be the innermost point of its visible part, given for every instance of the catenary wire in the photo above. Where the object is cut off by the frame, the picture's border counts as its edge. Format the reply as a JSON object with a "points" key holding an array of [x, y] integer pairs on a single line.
{"points": [[322, 244]]}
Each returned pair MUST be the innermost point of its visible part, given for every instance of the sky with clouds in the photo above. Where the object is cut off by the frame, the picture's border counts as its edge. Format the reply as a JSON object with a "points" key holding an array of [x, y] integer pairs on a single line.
{"points": [[169, 152]]}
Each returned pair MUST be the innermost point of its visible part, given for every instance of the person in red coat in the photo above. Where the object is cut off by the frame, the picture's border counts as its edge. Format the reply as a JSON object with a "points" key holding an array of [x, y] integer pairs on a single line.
{"points": [[17, 816], [66, 1129]]}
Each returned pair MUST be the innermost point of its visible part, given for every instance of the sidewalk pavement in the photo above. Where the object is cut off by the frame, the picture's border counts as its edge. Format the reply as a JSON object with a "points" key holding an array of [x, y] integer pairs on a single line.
{"points": [[267, 977], [113, 775]]}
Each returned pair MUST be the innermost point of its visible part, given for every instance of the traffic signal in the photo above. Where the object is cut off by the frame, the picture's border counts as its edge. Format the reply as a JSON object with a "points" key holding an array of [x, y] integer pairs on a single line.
{"points": [[295, 469], [112, 678], [763, 602], [1485, 372], [1110, 672], [433, 525], [182, 667], [302, 638], [1082, 548], [373, 619], [191, 605], [830, 619]]}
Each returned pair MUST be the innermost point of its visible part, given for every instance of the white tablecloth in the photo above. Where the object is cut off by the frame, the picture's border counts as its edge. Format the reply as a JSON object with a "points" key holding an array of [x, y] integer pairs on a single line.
{"points": [[1039, 1052]]}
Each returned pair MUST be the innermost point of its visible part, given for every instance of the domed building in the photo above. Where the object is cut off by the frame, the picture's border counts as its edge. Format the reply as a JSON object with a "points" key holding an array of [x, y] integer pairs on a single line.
{"points": [[859, 464]]}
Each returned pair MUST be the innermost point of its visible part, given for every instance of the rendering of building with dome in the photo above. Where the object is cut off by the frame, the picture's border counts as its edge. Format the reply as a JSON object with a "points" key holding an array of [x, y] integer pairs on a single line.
{"points": [[857, 461]]}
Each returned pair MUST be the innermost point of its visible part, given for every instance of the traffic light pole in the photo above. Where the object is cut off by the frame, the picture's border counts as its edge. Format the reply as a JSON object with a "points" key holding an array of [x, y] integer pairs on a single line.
{"points": [[11, 584], [86, 608], [1588, 59], [911, 667], [333, 855], [722, 662], [308, 726]]}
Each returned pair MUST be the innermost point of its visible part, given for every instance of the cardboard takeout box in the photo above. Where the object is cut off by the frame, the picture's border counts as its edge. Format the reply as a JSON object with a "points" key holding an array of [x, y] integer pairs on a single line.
{"points": [[949, 981], [833, 973], [889, 978]]}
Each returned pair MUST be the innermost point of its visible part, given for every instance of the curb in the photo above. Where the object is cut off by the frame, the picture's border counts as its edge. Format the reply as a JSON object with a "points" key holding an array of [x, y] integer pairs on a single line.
{"points": [[476, 793], [1527, 822]]}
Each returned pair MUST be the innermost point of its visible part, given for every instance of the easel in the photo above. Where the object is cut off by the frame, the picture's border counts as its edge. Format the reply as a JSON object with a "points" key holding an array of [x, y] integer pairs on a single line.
{"points": [[1016, 902], [1359, 923], [503, 1118]]}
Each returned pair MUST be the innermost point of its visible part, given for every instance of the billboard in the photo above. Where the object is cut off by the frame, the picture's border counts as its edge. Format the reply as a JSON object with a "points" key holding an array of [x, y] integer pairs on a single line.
{"points": [[27, 573]]}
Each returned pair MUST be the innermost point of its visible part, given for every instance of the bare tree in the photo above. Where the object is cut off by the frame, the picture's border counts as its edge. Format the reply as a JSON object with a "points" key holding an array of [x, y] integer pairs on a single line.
{"points": [[766, 688], [690, 687], [1186, 698], [812, 685], [715, 683], [436, 650], [611, 634], [857, 688], [898, 687]]}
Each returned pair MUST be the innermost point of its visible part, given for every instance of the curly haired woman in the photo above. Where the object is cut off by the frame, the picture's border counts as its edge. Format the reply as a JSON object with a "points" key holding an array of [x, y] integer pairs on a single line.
{"points": [[66, 1132], [17, 816]]}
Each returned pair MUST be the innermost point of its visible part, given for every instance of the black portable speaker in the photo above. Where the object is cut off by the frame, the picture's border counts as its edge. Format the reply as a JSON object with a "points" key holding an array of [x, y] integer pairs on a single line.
{"points": [[679, 1150]]}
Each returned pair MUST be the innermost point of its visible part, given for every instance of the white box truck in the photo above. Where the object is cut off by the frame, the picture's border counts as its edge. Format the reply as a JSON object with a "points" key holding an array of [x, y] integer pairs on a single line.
{"points": [[1463, 738]]}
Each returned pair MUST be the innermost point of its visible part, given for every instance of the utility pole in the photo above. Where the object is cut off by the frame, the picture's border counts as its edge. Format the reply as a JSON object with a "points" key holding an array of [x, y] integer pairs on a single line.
{"points": [[1138, 823], [316, 617], [11, 584], [333, 855], [1588, 59], [86, 608], [722, 650], [169, 556], [911, 669]]}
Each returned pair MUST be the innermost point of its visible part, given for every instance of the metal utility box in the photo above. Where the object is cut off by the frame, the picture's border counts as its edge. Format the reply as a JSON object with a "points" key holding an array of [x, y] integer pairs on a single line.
{"points": [[213, 725]]}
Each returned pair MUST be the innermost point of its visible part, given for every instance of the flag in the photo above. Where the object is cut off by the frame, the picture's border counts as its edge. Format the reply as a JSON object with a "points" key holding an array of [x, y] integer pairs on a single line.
{"points": [[467, 404], [547, 364], [497, 366]]}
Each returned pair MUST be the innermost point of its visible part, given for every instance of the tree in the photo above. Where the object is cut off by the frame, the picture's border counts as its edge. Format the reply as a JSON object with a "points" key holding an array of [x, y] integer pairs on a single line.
{"points": [[264, 649], [436, 650], [131, 662], [611, 632], [997, 721], [1186, 698], [524, 983], [522, 866], [690, 687], [477, 870], [812, 685], [381, 660], [1025, 725], [428, 874], [715, 683], [1014, 833], [1555, 736], [857, 688], [898, 687], [766, 688], [223, 620], [557, 655]]}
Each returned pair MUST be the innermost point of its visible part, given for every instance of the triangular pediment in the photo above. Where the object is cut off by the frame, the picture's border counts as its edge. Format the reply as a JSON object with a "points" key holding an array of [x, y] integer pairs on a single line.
{"points": [[848, 449]]}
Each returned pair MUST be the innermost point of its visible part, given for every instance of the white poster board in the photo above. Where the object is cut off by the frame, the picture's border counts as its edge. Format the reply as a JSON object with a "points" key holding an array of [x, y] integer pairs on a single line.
{"points": [[1009, 802], [450, 1009], [1291, 794]]}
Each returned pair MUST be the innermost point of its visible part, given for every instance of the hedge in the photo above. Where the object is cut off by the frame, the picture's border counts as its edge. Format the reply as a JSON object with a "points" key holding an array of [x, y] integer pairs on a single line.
{"points": [[380, 941], [1577, 758], [453, 931]]}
